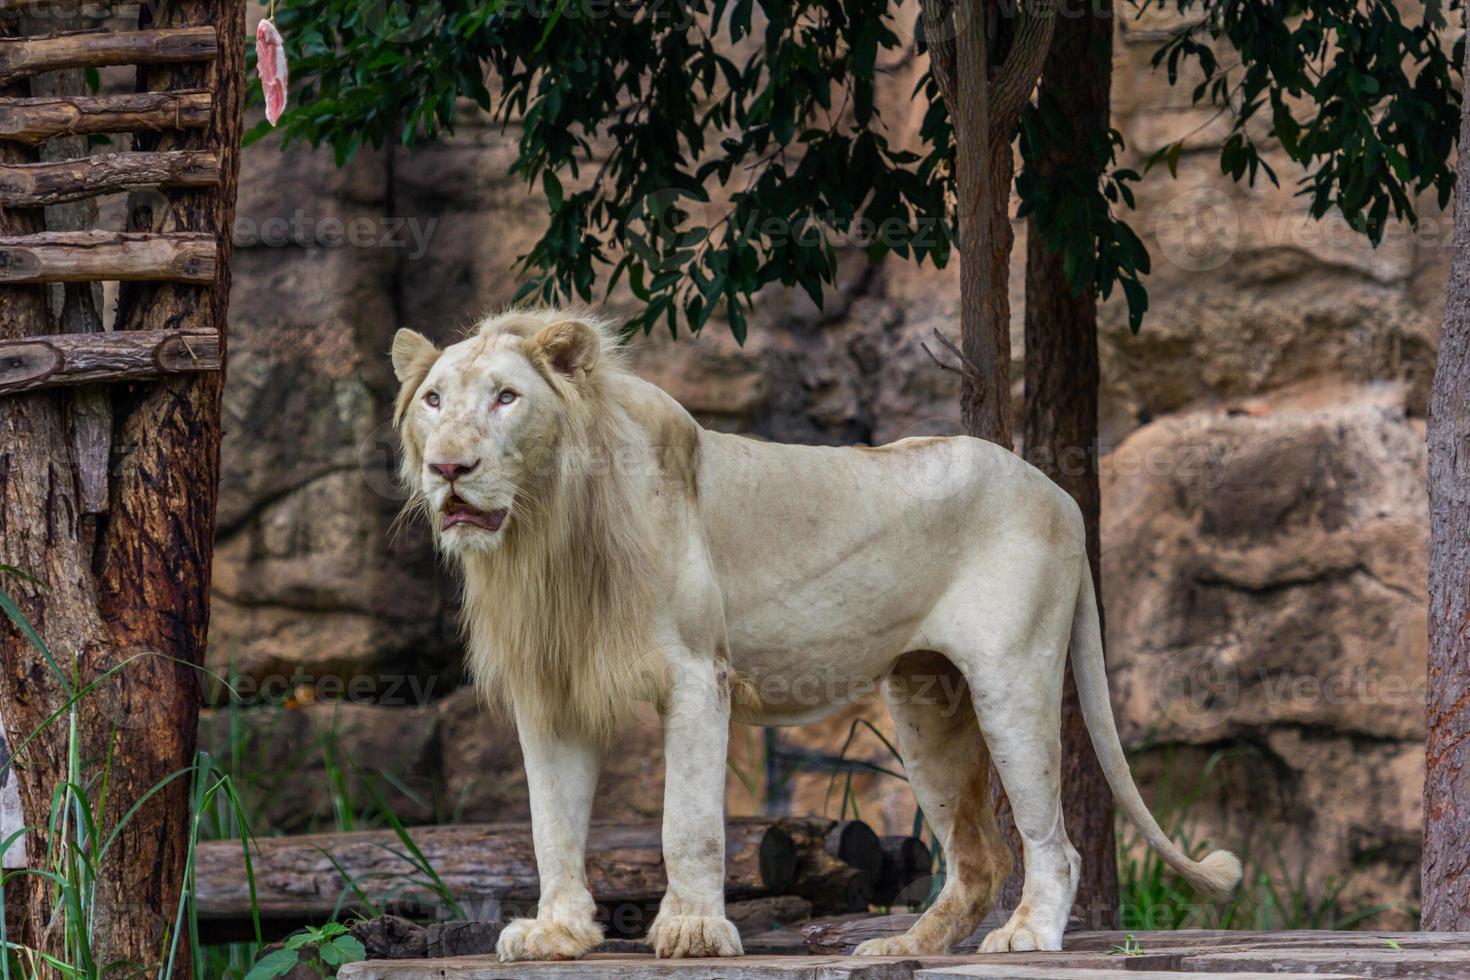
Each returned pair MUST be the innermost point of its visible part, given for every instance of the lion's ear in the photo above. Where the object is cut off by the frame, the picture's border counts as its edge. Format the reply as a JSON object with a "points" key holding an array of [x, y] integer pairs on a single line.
{"points": [[411, 352], [413, 356], [569, 348]]}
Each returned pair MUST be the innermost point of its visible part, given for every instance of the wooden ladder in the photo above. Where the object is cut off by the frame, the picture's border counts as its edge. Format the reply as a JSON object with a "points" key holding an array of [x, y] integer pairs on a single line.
{"points": [[191, 257]]}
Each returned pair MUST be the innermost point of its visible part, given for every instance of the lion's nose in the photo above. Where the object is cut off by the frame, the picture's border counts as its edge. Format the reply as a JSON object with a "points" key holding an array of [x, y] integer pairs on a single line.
{"points": [[453, 471]]}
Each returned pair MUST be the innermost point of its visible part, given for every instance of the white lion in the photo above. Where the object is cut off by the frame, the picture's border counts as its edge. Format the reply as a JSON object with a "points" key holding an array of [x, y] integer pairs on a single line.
{"points": [[613, 550]]}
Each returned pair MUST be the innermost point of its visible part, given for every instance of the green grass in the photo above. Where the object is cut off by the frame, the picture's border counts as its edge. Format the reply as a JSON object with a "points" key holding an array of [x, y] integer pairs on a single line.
{"points": [[78, 845], [1272, 896]]}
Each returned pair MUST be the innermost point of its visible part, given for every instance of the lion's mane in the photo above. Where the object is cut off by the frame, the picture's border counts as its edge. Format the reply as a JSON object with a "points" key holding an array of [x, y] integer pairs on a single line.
{"points": [[557, 617]]}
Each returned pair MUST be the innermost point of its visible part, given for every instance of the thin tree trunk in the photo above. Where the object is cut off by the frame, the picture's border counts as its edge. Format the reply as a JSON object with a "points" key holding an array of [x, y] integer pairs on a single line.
{"points": [[143, 587], [1446, 859], [985, 102], [983, 183], [1060, 426]]}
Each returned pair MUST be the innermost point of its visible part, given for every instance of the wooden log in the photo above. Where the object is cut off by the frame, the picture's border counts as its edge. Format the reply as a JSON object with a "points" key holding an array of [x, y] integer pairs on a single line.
{"points": [[32, 120], [70, 8], [32, 184], [905, 861], [831, 884], [32, 363], [300, 879], [22, 57], [854, 843], [82, 256]]}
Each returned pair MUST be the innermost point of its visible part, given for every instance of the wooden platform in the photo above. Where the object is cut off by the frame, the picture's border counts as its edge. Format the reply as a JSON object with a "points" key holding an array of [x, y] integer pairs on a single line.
{"points": [[1183, 955]]}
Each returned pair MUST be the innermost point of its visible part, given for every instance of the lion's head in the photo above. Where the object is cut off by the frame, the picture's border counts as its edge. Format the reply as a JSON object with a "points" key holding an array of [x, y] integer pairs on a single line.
{"points": [[510, 440], [483, 420]]}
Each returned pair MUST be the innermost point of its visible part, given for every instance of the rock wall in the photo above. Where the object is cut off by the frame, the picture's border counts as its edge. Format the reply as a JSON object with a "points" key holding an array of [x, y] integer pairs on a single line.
{"points": [[1264, 507]]}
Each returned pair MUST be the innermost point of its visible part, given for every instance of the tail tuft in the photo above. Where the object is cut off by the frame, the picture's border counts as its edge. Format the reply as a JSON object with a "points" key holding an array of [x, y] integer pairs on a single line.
{"points": [[1216, 876]]}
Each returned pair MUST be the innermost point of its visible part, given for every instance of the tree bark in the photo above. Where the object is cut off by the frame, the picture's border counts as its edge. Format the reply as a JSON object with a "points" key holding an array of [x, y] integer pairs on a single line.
{"points": [[41, 534], [142, 586], [1060, 428], [1446, 859]]}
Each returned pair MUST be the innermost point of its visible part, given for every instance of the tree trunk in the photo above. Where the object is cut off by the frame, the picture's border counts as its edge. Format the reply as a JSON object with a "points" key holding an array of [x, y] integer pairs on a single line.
{"points": [[983, 190], [142, 586], [1060, 426], [1446, 859], [985, 102]]}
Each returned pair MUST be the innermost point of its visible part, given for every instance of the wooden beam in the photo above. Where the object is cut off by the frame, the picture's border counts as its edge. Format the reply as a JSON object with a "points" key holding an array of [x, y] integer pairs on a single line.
{"points": [[69, 6], [32, 363], [33, 120], [32, 184], [25, 56], [85, 256]]}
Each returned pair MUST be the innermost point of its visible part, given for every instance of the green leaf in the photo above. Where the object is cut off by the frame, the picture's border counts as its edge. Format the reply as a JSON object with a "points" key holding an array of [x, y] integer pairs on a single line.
{"points": [[344, 949], [552, 187], [277, 964]]}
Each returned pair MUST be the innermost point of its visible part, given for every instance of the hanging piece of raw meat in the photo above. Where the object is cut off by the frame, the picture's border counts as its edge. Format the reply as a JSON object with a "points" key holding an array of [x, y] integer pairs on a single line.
{"points": [[270, 62]]}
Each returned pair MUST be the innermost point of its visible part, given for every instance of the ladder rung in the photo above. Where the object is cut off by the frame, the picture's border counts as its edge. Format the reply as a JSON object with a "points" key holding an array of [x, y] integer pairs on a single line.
{"points": [[25, 56], [33, 184], [86, 256], [32, 120], [31, 363]]}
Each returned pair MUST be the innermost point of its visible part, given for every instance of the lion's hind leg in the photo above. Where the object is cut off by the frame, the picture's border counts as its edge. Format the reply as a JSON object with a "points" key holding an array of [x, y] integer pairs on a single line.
{"points": [[1019, 715], [949, 769]]}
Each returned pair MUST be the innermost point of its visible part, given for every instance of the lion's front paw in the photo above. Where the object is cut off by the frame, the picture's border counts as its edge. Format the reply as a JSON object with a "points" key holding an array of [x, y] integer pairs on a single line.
{"points": [[695, 935], [888, 946], [1023, 933], [546, 939]]}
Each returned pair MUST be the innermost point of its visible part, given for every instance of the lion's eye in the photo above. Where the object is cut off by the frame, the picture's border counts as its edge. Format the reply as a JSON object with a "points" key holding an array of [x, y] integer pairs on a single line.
{"points": [[432, 399], [506, 397]]}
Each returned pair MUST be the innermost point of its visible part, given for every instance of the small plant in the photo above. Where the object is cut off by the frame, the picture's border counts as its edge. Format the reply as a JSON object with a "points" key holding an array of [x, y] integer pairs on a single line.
{"points": [[1130, 947], [331, 946]]}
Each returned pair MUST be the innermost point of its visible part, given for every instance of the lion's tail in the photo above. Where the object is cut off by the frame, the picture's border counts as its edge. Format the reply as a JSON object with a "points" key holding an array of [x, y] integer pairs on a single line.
{"points": [[1217, 875]]}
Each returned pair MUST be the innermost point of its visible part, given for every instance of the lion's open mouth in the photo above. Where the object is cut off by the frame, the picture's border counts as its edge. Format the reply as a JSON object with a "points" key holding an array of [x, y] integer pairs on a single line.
{"points": [[457, 512]]}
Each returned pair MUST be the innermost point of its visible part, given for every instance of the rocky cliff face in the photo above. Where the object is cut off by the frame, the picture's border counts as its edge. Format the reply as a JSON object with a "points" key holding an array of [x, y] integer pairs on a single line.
{"points": [[1264, 507]]}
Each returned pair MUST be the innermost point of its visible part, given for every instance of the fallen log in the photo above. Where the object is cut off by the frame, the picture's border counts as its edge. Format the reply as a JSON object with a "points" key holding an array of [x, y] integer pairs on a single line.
{"points": [[32, 120], [33, 363], [854, 843], [21, 57], [831, 884], [489, 870], [59, 181], [906, 860]]}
